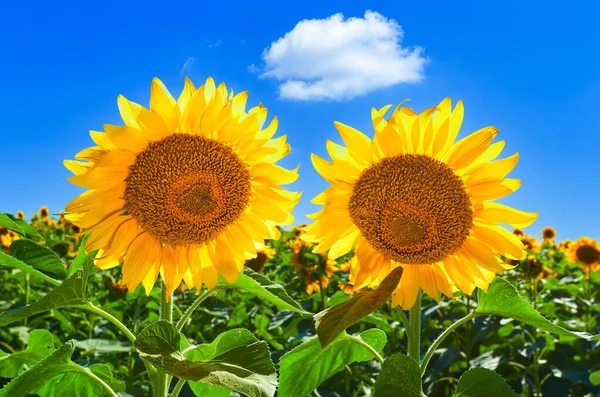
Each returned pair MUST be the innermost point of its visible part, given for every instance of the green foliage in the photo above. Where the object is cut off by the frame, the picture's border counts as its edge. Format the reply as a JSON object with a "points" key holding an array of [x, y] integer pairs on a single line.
{"points": [[41, 345], [308, 365], [400, 376], [481, 382]]}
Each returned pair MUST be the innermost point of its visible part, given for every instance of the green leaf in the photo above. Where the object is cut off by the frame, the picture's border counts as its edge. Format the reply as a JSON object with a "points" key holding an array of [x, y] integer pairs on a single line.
{"points": [[83, 258], [235, 360], [400, 376], [69, 293], [39, 257], [595, 378], [502, 299], [104, 346], [205, 390], [259, 285], [59, 365], [75, 383], [19, 226], [334, 320], [481, 382], [307, 366], [41, 345], [8, 260], [160, 337]]}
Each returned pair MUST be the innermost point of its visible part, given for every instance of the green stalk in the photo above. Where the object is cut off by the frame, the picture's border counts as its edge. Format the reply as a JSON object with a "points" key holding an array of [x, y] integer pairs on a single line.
{"points": [[95, 309], [109, 391], [368, 347], [441, 338], [178, 387], [27, 295], [162, 380], [414, 331], [188, 313]]}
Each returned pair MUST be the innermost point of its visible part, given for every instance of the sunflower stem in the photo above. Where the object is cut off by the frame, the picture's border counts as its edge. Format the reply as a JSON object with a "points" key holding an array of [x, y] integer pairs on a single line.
{"points": [[163, 380], [414, 332], [188, 313]]}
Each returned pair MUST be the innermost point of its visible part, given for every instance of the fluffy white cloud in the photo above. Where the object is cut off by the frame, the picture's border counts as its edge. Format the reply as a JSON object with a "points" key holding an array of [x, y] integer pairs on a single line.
{"points": [[334, 58]]}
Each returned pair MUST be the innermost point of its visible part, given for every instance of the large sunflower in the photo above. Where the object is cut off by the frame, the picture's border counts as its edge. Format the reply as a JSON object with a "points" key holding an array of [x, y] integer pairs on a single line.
{"points": [[185, 188], [411, 197]]}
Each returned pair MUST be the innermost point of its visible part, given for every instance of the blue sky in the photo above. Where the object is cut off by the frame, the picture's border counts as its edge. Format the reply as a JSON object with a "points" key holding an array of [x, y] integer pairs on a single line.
{"points": [[529, 68]]}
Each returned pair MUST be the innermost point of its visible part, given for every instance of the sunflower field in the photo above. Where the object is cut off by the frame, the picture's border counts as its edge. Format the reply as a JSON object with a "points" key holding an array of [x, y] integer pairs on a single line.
{"points": [[180, 271]]}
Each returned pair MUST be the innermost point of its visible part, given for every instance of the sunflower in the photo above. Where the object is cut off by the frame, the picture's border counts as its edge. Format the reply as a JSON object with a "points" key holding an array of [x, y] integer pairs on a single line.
{"points": [[411, 197], [586, 252], [548, 234], [184, 189], [263, 254], [530, 243], [564, 246], [518, 232], [44, 212], [7, 237], [20, 215]]}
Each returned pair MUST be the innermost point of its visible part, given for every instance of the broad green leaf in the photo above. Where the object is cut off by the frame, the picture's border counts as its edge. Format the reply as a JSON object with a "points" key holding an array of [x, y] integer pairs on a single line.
{"points": [[235, 360], [160, 337], [58, 363], [304, 368], [69, 293], [76, 383], [19, 226], [205, 390], [39, 257], [333, 321], [259, 285], [8, 260], [595, 378], [502, 299], [400, 376], [481, 382], [104, 345], [40, 346]]}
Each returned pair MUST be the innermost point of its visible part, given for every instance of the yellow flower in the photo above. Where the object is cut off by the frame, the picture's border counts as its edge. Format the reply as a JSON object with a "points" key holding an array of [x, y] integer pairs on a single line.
{"points": [[184, 189], [518, 232], [44, 212], [530, 243], [412, 197], [548, 234], [586, 252], [20, 215], [263, 254], [346, 288], [564, 246], [7, 237]]}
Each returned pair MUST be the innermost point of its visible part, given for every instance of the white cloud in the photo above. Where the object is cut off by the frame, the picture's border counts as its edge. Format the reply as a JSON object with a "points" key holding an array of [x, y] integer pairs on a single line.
{"points": [[333, 58], [187, 65]]}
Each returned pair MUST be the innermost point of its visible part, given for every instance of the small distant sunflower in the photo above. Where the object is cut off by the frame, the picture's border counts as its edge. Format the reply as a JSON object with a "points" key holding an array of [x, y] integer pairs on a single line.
{"points": [[7, 237], [20, 215], [185, 188], [548, 234], [263, 254], [530, 243], [44, 213], [586, 252], [412, 197], [518, 232], [564, 246]]}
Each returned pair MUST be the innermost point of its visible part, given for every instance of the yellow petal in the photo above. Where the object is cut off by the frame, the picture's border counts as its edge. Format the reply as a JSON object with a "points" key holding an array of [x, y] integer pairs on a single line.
{"points": [[499, 213], [128, 138], [494, 189], [358, 144], [499, 239], [163, 103], [143, 258], [470, 148]]}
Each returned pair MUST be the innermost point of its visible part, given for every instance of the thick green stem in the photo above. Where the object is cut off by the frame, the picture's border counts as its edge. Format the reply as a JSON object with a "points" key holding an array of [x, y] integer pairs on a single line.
{"points": [[414, 331], [27, 295], [188, 313], [162, 380], [403, 318], [441, 338]]}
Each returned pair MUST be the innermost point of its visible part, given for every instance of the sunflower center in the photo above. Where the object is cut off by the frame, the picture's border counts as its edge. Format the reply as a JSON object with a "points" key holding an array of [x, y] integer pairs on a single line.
{"points": [[412, 209], [186, 189], [587, 255]]}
